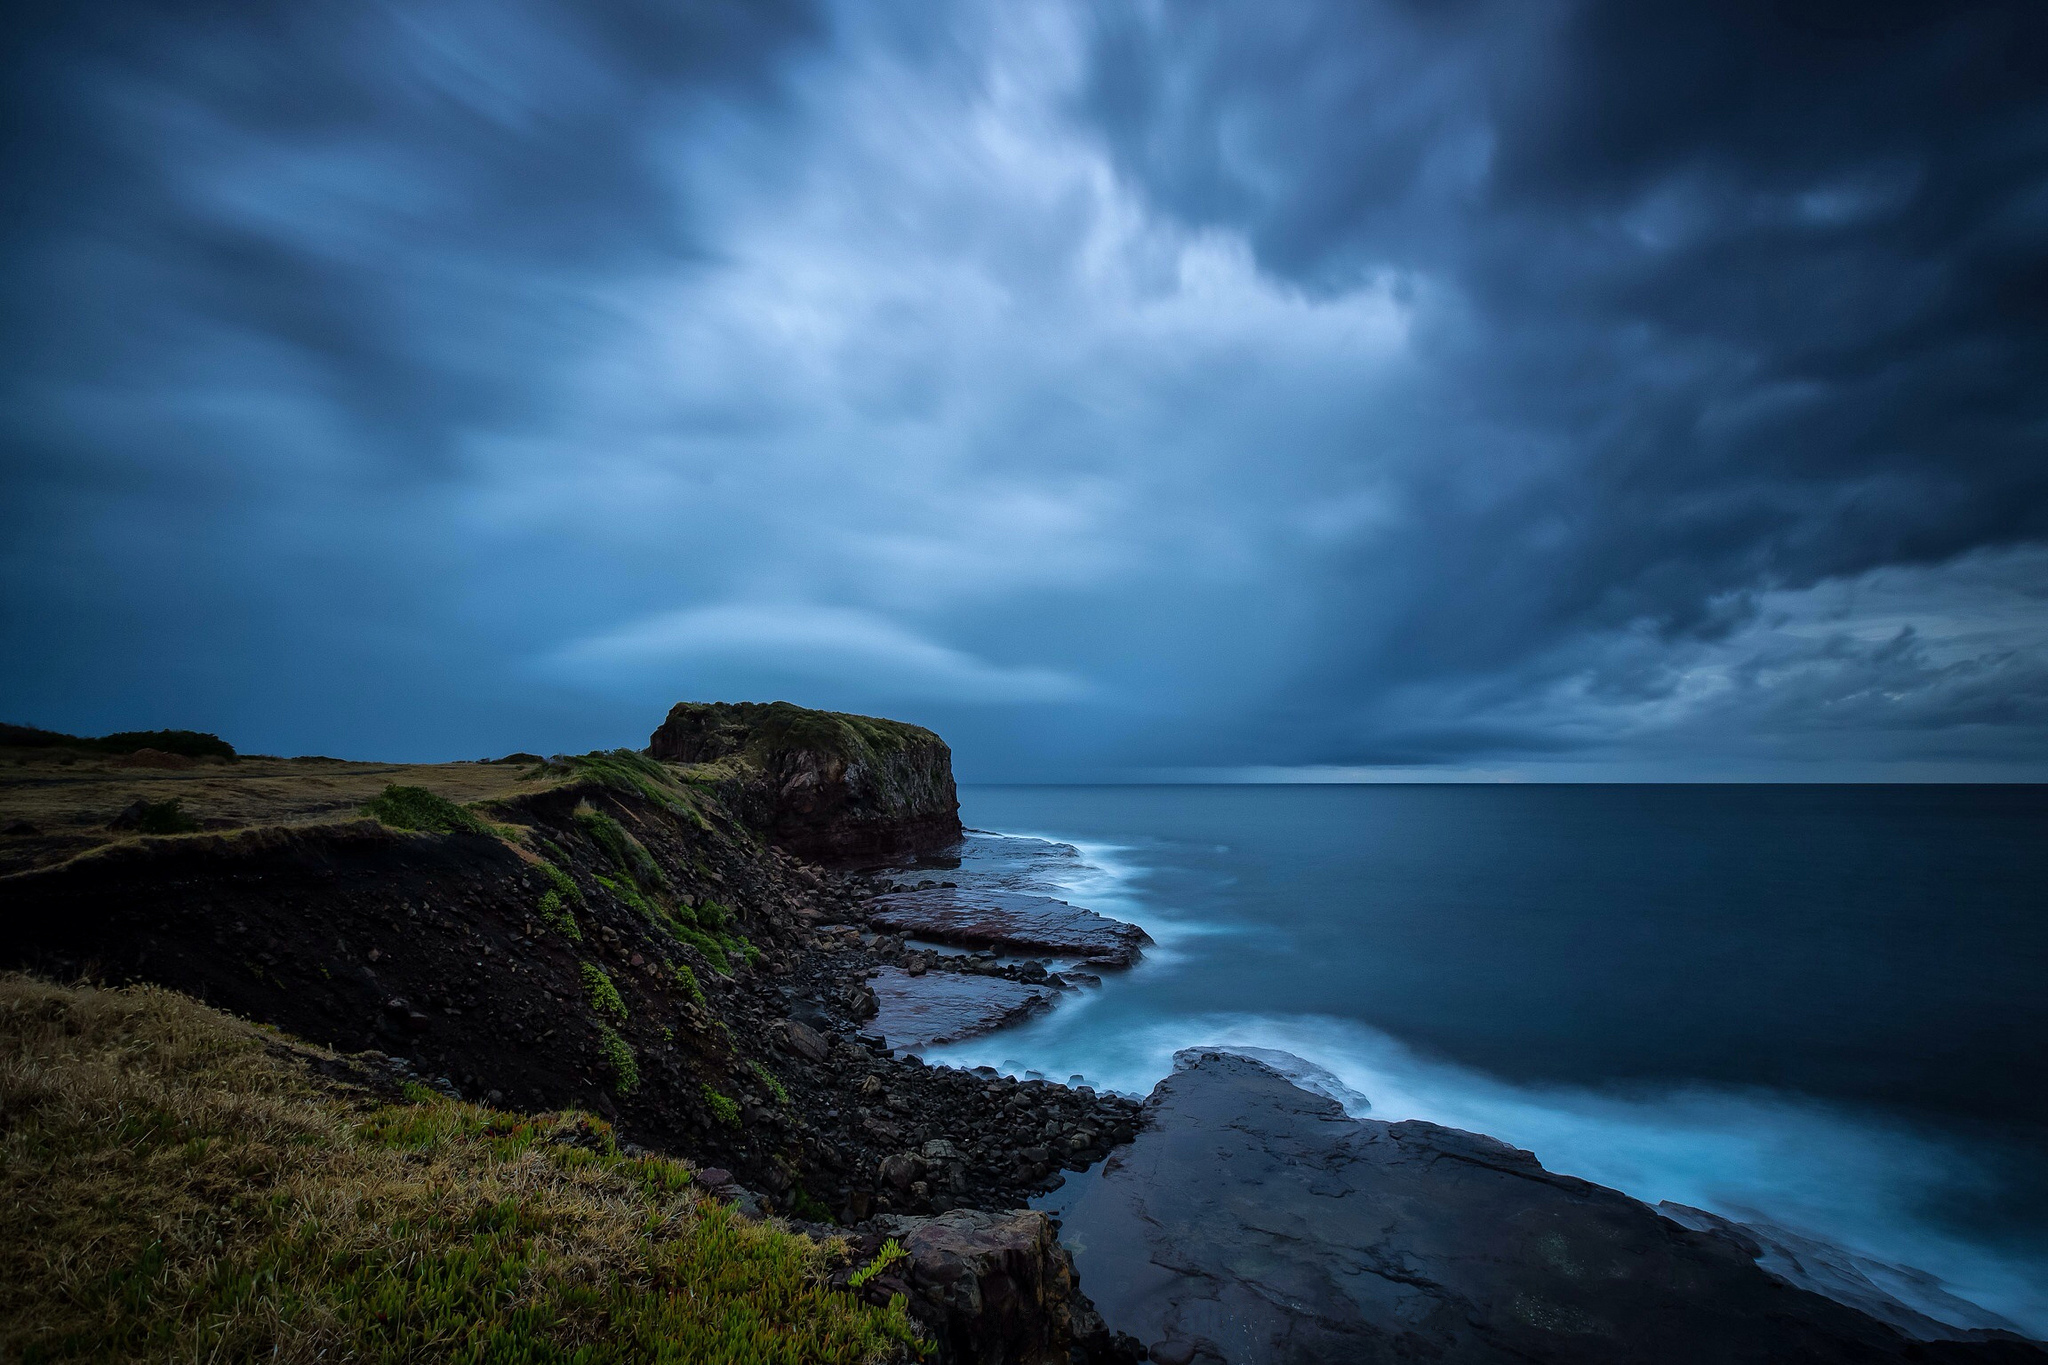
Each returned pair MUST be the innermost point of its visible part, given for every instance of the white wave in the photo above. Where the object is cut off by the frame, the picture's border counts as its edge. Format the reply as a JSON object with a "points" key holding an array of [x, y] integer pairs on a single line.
{"points": [[1847, 1177]]}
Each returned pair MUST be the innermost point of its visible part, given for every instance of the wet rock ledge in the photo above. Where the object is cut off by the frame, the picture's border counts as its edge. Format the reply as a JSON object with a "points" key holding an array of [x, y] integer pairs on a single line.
{"points": [[1255, 1222]]}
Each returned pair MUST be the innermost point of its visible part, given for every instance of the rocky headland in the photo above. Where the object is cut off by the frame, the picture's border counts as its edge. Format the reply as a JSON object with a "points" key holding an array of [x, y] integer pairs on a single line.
{"points": [[821, 784], [706, 948]]}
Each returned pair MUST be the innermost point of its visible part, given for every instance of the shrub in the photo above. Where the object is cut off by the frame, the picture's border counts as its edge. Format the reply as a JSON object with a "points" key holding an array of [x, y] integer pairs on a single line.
{"points": [[619, 1055], [190, 743], [416, 808], [722, 1108], [563, 882], [559, 917], [687, 979], [768, 1079], [162, 817], [604, 996], [626, 892]]}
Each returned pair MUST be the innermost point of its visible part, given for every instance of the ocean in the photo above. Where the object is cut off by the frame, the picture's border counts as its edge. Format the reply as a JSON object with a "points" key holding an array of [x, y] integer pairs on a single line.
{"points": [[1826, 1007]]}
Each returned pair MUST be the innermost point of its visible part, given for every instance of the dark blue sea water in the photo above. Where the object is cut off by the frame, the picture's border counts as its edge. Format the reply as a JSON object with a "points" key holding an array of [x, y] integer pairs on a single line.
{"points": [[1825, 1006]]}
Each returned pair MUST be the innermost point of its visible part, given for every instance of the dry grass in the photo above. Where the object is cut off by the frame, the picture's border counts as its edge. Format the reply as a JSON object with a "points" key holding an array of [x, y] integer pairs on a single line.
{"points": [[176, 1185]]}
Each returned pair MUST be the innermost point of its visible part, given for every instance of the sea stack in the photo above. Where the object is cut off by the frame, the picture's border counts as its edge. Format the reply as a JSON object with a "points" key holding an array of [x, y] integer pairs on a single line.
{"points": [[821, 784]]}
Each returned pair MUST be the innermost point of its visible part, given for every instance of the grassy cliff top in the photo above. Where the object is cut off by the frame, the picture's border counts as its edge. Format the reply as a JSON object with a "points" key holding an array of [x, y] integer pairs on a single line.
{"points": [[760, 732], [178, 1185], [56, 803]]}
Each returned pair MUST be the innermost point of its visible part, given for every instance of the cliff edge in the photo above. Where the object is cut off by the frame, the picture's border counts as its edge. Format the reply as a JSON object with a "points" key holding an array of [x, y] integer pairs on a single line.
{"points": [[821, 784]]}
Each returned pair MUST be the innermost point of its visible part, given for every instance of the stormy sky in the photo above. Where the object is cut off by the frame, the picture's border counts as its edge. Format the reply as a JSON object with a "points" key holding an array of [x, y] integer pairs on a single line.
{"points": [[1355, 389]]}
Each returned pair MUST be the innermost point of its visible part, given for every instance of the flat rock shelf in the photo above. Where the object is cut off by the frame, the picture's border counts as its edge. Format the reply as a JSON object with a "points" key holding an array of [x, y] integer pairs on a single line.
{"points": [[941, 1007], [1010, 921], [1253, 1221]]}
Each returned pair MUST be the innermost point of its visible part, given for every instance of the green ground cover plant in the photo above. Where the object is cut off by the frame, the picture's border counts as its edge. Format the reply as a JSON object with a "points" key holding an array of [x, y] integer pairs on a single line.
{"points": [[176, 1185], [722, 1107], [618, 1054], [603, 995], [416, 808], [767, 1078]]}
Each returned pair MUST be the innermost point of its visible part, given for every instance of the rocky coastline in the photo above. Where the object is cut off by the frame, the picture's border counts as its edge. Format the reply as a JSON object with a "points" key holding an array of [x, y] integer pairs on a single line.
{"points": [[712, 945]]}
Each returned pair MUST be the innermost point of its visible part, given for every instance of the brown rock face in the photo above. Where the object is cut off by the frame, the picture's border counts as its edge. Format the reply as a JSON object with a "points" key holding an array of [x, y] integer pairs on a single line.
{"points": [[819, 783], [996, 1288]]}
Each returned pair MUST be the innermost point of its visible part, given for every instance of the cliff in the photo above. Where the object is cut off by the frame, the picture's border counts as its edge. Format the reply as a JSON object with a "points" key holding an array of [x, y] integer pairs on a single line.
{"points": [[821, 784], [602, 933]]}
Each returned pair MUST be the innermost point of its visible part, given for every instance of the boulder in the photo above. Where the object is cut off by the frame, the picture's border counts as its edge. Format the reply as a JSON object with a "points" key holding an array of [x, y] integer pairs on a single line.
{"points": [[1256, 1221], [996, 1288]]}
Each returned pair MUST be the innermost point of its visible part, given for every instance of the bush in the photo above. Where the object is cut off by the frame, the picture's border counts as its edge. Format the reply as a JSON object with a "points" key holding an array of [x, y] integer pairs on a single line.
{"points": [[619, 1054], [558, 917], [416, 808], [767, 1078], [722, 1108], [687, 979], [156, 817], [190, 743], [604, 996], [562, 881]]}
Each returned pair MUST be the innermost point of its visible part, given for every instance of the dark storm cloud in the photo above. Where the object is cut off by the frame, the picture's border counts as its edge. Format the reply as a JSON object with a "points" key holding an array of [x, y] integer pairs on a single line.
{"points": [[1491, 386], [1753, 295]]}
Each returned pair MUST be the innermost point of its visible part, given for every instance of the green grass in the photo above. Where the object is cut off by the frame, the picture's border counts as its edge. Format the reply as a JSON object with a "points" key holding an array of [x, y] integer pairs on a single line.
{"points": [[627, 771], [602, 994], [416, 808], [722, 1107], [767, 1078], [630, 894], [626, 853], [177, 1186]]}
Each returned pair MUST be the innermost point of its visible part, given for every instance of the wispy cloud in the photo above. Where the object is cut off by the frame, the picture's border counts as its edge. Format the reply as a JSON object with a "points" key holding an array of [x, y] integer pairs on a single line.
{"points": [[775, 642]]}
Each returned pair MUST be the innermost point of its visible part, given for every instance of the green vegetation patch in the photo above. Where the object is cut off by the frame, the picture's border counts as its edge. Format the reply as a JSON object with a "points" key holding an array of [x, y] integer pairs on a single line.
{"points": [[722, 1107], [891, 1252], [163, 817], [633, 773], [603, 995], [628, 854], [618, 1054], [416, 808], [767, 1078], [559, 917], [190, 743], [562, 882], [687, 979], [174, 1186]]}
